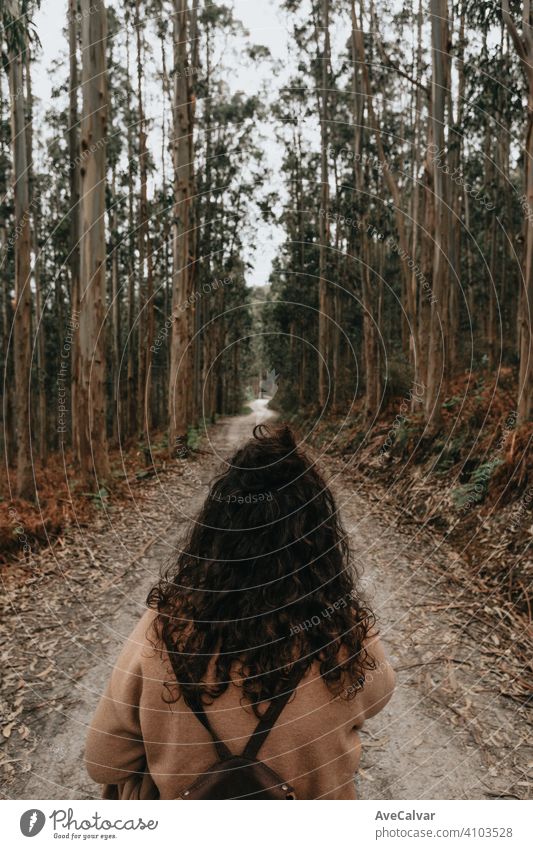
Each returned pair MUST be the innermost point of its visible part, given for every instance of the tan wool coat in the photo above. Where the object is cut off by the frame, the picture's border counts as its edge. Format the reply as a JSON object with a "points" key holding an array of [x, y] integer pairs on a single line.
{"points": [[141, 747]]}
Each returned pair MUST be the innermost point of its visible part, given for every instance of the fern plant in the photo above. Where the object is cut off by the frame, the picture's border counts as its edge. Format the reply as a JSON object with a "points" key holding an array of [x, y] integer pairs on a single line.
{"points": [[477, 487]]}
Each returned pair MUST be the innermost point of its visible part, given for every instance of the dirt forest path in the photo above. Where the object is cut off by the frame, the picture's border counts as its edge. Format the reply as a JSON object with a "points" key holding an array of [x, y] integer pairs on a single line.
{"points": [[447, 733]]}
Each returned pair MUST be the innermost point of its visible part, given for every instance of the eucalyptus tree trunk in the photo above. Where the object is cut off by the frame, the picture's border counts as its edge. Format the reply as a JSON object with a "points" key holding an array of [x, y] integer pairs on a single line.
{"points": [[300, 217], [491, 176], [179, 379], [143, 245], [5, 284], [35, 206], [372, 365], [74, 220], [132, 331], [335, 301], [363, 108], [508, 288], [358, 115], [167, 101], [416, 213], [22, 247], [92, 452], [149, 338], [438, 335], [115, 308], [324, 366], [524, 47], [455, 125], [197, 309], [402, 246], [210, 304]]}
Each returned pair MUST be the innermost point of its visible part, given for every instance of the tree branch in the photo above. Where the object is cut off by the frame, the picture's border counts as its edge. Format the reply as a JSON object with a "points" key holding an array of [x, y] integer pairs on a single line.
{"points": [[394, 65], [517, 40]]}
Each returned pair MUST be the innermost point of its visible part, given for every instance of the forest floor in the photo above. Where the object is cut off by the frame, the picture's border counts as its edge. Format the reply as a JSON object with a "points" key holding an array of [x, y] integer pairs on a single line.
{"points": [[450, 730]]}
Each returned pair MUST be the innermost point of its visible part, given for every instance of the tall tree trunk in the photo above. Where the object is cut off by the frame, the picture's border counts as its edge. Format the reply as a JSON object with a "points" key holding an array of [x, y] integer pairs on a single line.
{"points": [[323, 311], [414, 349], [392, 186], [23, 300], [132, 331], [142, 233], [7, 318], [335, 309], [179, 382], [115, 310], [149, 338], [35, 205], [303, 383], [439, 307], [469, 261], [209, 307], [524, 47], [492, 312], [4, 295], [525, 308], [362, 98], [167, 91], [196, 312], [456, 195], [74, 219], [93, 456], [370, 332]]}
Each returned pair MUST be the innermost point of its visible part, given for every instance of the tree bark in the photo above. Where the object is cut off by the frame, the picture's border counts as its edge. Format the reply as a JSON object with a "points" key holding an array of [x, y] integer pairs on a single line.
{"points": [[132, 330], [167, 271], [324, 375], [35, 205], [392, 186], [115, 309], [5, 283], [456, 197], [93, 456], [22, 237], [196, 312], [179, 381], [143, 246], [439, 306], [208, 308], [74, 221], [524, 48]]}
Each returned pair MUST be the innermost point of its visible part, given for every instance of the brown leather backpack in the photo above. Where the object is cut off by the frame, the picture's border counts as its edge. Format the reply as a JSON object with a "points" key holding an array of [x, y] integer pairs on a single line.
{"points": [[241, 776]]}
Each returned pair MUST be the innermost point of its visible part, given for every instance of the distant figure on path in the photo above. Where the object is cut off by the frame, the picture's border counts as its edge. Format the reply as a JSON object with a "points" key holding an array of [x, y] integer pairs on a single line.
{"points": [[269, 385]]}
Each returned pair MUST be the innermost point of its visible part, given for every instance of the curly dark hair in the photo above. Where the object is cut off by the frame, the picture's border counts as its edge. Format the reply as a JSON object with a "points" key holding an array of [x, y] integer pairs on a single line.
{"points": [[264, 584]]}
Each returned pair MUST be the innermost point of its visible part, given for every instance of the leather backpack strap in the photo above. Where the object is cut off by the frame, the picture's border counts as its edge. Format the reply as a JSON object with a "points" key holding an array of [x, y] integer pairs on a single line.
{"points": [[265, 725], [259, 735], [222, 750], [197, 708]]}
